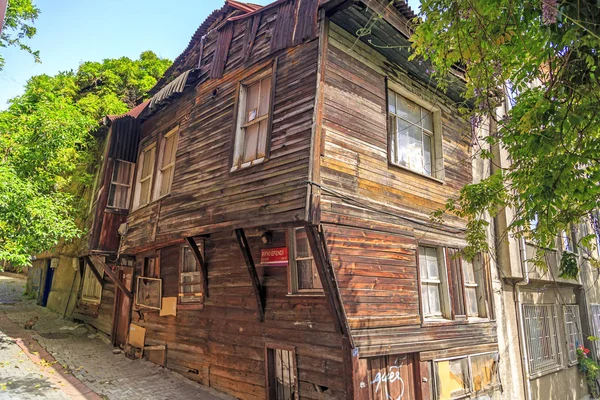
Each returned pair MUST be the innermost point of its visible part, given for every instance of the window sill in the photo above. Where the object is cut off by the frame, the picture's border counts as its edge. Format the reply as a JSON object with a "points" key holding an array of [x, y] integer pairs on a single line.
{"points": [[248, 164], [306, 294], [116, 210], [544, 373], [433, 178], [439, 321]]}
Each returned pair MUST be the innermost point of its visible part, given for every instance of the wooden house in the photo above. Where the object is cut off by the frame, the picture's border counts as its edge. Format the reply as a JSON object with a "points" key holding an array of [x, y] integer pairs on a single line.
{"points": [[278, 241]]}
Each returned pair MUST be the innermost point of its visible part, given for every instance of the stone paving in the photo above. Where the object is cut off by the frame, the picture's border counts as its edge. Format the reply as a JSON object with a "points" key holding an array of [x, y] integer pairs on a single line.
{"points": [[88, 357]]}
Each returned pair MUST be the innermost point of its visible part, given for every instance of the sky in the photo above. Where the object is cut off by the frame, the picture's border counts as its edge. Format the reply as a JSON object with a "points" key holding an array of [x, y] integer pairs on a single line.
{"points": [[73, 31]]}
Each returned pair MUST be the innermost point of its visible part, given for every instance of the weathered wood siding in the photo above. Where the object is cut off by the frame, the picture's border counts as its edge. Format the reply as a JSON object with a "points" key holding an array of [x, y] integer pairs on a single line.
{"points": [[375, 214], [98, 315], [223, 345], [205, 195]]}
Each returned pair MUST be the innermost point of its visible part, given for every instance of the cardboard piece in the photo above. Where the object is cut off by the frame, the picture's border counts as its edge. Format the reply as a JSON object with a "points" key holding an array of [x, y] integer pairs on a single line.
{"points": [[169, 306], [137, 336]]}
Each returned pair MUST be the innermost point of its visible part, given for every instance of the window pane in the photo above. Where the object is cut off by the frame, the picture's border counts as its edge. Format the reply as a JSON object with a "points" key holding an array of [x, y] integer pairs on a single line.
{"points": [[468, 271], [408, 110], [168, 155], [415, 148], [148, 163], [423, 262], [472, 307], [305, 274], [250, 143], [453, 378], [302, 246], [122, 172], [265, 96], [189, 261], [117, 196], [316, 280], [145, 192], [427, 120], [425, 300], [391, 102], [427, 155], [434, 299], [485, 371], [402, 141], [252, 98], [262, 139], [432, 263], [167, 180]]}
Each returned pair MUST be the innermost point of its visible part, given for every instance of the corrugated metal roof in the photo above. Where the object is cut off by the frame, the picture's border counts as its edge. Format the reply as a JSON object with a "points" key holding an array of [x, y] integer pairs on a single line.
{"points": [[134, 112], [168, 92], [229, 6]]}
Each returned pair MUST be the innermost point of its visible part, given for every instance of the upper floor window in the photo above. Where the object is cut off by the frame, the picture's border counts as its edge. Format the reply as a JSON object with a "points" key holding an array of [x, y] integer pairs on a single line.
{"points": [[413, 140], [166, 162], [304, 277], [452, 288], [144, 176], [120, 185], [253, 121]]}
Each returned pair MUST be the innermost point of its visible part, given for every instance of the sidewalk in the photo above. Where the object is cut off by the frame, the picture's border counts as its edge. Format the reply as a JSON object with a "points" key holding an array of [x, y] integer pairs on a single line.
{"points": [[77, 360]]}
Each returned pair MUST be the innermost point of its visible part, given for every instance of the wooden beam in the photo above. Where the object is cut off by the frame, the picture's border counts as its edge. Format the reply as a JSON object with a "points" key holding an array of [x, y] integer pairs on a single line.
{"points": [[318, 246], [200, 260], [258, 290], [94, 271], [97, 260]]}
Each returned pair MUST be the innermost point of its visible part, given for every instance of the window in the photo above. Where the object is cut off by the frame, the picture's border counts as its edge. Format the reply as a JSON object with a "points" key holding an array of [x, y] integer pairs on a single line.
{"points": [[595, 316], [164, 176], [431, 281], [120, 185], [541, 334], [566, 241], [144, 176], [467, 377], [92, 289], [304, 276], [471, 289], [573, 331], [190, 277], [412, 139], [253, 121], [282, 383]]}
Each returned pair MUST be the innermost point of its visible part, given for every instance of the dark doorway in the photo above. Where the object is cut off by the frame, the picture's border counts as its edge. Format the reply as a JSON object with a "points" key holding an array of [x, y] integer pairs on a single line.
{"points": [[47, 283], [122, 307]]}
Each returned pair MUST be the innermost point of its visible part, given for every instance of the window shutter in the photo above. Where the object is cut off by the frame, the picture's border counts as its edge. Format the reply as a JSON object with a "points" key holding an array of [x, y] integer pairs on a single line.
{"points": [[455, 284]]}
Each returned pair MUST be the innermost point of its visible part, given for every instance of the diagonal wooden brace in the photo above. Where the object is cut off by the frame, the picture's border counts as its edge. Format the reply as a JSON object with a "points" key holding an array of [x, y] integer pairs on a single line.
{"points": [[258, 290]]}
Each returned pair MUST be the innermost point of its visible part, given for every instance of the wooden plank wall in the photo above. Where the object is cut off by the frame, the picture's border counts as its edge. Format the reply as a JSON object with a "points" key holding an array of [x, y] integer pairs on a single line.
{"points": [[372, 249], [205, 195], [223, 345]]}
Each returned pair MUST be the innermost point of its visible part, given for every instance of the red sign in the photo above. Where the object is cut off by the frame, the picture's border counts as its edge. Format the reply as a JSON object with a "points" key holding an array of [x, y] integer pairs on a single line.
{"points": [[276, 256]]}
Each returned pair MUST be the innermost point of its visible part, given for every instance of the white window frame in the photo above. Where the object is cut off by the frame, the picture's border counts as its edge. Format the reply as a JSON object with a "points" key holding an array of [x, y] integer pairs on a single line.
{"points": [[437, 153], [595, 317], [550, 331], [470, 392], [442, 283], [114, 183], [573, 331], [91, 284], [163, 170], [293, 266], [241, 125], [137, 201]]}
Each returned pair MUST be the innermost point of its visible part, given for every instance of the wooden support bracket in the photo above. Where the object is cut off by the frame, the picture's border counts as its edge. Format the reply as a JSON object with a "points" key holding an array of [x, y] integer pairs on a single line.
{"points": [[94, 271], [318, 246], [97, 260], [258, 290], [200, 260]]}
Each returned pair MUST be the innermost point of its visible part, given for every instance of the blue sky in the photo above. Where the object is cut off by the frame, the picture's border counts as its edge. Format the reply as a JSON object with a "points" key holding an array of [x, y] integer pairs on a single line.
{"points": [[72, 31]]}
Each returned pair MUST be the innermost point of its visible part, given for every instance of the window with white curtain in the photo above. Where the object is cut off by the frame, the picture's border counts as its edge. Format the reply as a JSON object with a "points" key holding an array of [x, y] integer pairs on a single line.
{"points": [[120, 185]]}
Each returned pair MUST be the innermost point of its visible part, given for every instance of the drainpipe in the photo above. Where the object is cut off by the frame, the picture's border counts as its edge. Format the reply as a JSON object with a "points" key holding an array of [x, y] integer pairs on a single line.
{"points": [[516, 296]]}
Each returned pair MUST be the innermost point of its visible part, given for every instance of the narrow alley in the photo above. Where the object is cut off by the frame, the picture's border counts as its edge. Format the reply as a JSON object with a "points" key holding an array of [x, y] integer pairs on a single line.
{"points": [[59, 359]]}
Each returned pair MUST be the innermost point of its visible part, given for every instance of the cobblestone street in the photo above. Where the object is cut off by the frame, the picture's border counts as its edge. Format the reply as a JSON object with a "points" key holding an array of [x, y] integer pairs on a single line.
{"points": [[78, 363]]}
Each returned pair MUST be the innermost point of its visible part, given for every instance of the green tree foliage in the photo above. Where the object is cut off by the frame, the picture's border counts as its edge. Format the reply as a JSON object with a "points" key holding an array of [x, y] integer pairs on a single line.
{"points": [[20, 15], [49, 154], [544, 54]]}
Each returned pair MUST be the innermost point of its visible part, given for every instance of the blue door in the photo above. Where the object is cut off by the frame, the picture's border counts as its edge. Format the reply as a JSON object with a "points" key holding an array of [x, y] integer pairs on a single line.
{"points": [[47, 284]]}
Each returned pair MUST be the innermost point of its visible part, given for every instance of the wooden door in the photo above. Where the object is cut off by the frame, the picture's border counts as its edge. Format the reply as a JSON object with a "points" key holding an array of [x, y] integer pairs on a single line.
{"points": [[392, 377], [122, 307]]}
